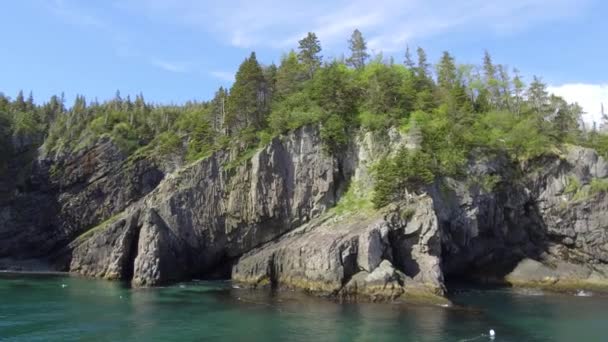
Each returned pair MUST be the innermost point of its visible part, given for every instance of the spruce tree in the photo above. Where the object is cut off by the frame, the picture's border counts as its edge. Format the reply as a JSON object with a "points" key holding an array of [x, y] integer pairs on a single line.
{"points": [[310, 47], [246, 103], [446, 72], [358, 50], [290, 75], [409, 62], [19, 103]]}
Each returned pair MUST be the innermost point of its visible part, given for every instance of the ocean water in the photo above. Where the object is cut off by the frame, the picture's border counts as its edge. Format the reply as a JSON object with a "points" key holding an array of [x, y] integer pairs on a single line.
{"points": [[64, 308]]}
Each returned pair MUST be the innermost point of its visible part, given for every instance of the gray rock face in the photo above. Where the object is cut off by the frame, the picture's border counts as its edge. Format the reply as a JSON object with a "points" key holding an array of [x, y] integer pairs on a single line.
{"points": [[264, 219], [71, 195], [574, 219], [205, 215], [352, 256]]}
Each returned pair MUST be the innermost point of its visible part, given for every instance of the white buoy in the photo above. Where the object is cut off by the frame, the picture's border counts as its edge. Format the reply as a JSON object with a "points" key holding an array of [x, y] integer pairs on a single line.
{"points": [[64, 286], [492, 333]]}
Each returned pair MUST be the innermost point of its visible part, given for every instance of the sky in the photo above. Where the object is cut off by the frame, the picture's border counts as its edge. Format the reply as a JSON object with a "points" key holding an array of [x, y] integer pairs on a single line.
{"points": [[178, 50]]}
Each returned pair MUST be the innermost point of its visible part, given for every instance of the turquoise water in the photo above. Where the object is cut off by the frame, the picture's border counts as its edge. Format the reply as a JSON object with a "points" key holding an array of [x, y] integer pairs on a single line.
{"points": [[62, 308]]}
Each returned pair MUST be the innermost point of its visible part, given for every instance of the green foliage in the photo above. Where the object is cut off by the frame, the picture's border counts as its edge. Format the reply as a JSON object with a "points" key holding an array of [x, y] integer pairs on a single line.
{"points": [[374, 122], [310, 47], [242, 158], [246, 106], [168, 142], [573, 185], [488, 182], [598, 186], [395, 176], [355, 200], [333, 133], [581, 192], [464, 111], [358, 50], [334, 91], [293, 112]]}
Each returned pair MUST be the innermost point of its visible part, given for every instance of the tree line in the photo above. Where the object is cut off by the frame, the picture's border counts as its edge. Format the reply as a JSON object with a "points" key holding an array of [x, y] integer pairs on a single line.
{"points": [[452, 107]]}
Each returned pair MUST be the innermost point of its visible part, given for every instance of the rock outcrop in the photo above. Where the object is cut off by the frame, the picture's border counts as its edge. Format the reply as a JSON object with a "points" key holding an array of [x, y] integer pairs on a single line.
{"points": [[264, 218], [380, 255], [205, 215]]}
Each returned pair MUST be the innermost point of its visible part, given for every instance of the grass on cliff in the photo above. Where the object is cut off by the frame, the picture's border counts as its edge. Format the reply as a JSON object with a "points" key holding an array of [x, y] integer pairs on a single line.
{"points": [[356, 199], [103, 225], [580, 192]]}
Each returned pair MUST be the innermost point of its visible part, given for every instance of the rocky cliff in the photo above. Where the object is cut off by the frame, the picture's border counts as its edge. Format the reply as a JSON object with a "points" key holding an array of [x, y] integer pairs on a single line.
{"points": [[267, 220]]}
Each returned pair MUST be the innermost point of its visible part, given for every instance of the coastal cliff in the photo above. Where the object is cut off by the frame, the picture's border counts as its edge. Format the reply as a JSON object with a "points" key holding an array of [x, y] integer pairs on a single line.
{"points": [[278, 216]]}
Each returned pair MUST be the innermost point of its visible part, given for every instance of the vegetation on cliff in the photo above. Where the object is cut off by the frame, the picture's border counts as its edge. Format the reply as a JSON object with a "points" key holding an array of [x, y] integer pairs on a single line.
{"points": [[451, 109]]}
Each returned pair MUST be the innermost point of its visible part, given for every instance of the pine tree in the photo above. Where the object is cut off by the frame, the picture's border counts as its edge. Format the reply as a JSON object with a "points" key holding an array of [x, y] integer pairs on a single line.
{"points": [[358, 49], [409, 63], [247, 100], [310, 47]]}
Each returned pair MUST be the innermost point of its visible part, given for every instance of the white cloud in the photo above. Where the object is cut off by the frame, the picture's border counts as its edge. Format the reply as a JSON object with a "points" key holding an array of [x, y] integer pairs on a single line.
{"points": [[388, 24], [223, 75], [169, 66], [588, 96]]}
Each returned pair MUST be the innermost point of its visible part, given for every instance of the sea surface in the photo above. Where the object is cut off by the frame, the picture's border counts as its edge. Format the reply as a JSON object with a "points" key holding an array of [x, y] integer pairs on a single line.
{"points": [[65, 308]]}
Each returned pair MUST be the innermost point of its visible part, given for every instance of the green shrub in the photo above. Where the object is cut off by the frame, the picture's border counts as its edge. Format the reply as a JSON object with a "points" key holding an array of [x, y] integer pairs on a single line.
{"points": [[374, 122], [406, 171], [333, 133]]}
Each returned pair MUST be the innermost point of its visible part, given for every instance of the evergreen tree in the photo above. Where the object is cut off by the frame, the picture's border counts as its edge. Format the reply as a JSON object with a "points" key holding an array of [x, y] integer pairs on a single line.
{"points": [[310, 47], [518, 91], [4, 103], [358, 50], [409, 62], [333, 91], [446, 72], [29, 103], [538, 96], [491, 81], [247, 100], [19, 103], [422, 69], [218, 110], [290, 76], [424, 84], [504, 84]]}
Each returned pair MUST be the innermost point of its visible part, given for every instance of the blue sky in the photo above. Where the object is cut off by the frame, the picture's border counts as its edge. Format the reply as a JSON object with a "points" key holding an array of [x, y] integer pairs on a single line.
{"points": [[177, 50]]}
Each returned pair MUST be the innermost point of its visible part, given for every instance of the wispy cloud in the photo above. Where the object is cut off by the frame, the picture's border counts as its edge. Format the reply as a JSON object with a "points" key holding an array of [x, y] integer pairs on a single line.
{"points": [[223, 75], [169, 66], [388, 24], [589, 96], [78, 15], [75, 16]]}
